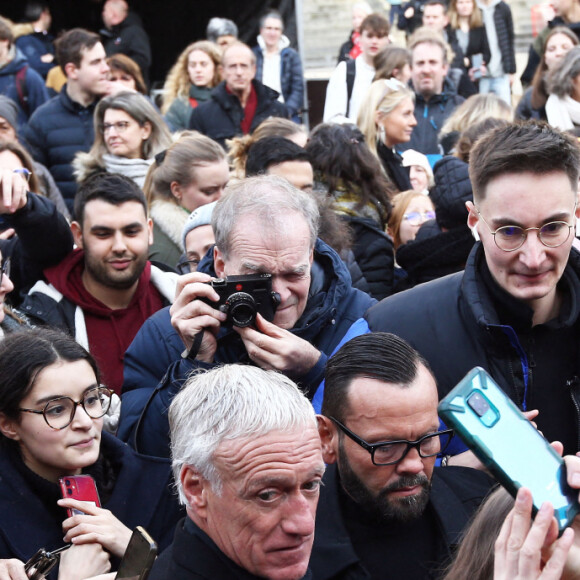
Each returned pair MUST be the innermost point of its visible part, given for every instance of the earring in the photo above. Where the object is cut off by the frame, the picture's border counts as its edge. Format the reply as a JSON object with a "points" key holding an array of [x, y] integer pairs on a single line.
{"points": [[382, 134]]}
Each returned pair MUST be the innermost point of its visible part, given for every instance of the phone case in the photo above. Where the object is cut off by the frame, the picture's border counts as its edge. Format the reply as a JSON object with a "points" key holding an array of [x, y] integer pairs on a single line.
{"points": [[81, 487], [508, 444], [139, 556]]}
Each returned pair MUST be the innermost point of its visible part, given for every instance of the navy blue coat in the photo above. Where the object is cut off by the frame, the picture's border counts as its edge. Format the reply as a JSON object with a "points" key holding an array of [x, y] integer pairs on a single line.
{"points": [[291, 77], [35, 45], [56, 133], [333, 305], [220, 117], [142, 496], [35, 94]]}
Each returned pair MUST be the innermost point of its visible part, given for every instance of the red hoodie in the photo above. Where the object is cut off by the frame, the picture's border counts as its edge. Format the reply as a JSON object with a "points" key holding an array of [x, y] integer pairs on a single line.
{"points": [[110, 332]]}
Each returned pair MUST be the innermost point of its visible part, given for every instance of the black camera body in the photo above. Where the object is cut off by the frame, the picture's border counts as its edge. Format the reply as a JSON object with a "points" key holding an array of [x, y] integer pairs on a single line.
{"points": [[242, 297]]}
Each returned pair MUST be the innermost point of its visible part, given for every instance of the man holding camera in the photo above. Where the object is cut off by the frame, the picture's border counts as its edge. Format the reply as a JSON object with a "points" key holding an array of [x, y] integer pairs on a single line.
{"points": [[263, 225]]}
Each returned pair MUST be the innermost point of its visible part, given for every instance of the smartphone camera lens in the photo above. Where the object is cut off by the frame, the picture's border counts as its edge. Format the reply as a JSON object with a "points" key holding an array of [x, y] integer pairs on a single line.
{"points": [[478, 404], [67, 482]]}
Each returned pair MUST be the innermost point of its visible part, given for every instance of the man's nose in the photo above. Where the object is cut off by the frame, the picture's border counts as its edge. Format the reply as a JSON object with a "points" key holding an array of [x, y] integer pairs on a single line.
{"points": [[299, 516], [532, 252], [412, 463], [119, 244]]}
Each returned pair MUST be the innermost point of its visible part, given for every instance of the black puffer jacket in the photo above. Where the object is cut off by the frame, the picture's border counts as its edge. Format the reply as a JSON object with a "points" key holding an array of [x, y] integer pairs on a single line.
{"points": [[221, 116]]}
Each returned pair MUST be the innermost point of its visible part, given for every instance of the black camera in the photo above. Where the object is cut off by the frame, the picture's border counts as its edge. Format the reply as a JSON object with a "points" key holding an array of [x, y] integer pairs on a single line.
{"points": [[242, 297]]}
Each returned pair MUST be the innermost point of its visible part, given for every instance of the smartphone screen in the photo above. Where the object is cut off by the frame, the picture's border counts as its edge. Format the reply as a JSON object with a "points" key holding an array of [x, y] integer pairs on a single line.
{"points": [[139, 556], [80, 487], [508, 444], [476, 62]]}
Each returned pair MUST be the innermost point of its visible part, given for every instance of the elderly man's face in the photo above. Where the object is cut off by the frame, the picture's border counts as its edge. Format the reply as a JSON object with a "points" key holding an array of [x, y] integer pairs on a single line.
{"points": [[238, 68], [283, 251], [263, 519]]}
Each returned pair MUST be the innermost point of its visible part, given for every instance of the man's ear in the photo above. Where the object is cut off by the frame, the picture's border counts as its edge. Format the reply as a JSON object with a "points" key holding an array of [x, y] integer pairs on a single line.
{"points": [[150, 230], [70, 70], [218, 263], [328, 437], [77, 233], [8, 428], [472, 216], [195, 488]]}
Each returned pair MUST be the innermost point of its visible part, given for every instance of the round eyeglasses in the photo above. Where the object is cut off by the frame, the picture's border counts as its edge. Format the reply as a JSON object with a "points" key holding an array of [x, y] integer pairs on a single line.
{"points": [[391, 452], [416, 218], [512, 238], [59, 413]]}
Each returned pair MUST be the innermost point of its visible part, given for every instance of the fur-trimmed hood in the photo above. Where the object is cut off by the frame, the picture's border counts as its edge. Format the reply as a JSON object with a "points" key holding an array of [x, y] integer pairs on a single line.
{"points": [[170, 218]]}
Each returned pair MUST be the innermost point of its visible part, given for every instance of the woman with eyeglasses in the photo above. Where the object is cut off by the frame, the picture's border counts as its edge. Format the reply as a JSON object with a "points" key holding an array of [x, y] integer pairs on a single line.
{"points": [[129, 132], [51, 426], [411, 209]]}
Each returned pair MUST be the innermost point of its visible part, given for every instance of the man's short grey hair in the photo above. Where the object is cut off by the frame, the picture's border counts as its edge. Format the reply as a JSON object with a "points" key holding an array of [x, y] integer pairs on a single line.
{"points": [[270, 200], [271, 14], [229, 403], [217, 27]]}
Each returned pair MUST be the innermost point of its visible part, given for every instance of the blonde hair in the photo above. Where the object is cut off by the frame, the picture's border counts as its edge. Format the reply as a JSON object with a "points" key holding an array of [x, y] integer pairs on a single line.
{"points": [[383, 97], [178, 164], [475, 109], [400, 203], [238, 147], [178, 82], [475, 19]]}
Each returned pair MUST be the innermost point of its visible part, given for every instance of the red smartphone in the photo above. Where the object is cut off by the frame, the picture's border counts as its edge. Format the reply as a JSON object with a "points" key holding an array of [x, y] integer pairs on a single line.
{"points": [[81, 487]]}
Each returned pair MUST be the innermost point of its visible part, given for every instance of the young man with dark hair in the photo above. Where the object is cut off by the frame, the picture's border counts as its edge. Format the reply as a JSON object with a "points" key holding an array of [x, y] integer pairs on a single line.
{"points": [[104, 290], [351, 80], [282, 157], [515, 310], [18, 81], [383, 500], [64, 125]]}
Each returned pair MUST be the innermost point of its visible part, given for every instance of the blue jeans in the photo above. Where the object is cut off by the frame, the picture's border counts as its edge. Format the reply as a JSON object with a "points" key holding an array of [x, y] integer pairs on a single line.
{"points": [[499, 86]]}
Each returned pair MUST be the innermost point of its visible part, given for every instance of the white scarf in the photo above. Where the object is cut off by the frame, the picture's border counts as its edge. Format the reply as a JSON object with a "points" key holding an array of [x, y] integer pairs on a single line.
{"points": [[562, 113], [135, 169]]}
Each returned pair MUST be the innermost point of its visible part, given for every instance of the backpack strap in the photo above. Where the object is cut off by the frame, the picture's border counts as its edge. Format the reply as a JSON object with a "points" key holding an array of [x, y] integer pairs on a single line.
{"points": [[350, 74], [22, 89]]}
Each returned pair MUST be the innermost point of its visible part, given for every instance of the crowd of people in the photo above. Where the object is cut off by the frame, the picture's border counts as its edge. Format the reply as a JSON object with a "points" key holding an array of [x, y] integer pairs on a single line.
{"points": [[240, 327]]}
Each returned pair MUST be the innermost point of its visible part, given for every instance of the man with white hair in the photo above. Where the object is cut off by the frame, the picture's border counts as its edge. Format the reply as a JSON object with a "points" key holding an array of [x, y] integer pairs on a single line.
{"points": [[249, 475]]}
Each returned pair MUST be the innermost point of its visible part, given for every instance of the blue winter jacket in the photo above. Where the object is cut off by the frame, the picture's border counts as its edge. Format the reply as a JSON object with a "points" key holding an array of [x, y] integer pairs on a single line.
{"points": [[34, 94], [291, 78], [333, 305], [35, 45], [56, 133]]}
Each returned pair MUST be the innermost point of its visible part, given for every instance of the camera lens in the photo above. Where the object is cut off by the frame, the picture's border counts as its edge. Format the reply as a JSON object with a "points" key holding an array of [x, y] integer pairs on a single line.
{"points": [[241, 309]]}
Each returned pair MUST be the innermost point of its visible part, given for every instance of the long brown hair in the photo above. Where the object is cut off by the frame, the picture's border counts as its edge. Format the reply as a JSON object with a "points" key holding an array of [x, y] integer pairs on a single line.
{"points": [[25, 159]]}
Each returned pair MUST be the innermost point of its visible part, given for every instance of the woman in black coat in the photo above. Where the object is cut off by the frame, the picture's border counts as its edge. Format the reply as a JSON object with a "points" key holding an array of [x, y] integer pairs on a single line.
{"points": [[51, 419]]}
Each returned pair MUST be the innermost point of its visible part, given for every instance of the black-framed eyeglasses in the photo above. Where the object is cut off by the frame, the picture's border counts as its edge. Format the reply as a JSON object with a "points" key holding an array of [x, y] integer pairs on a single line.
{"points": [[59, 412], [391, 452], [188, 266], [512, 238], [5, 270], [119, 126]]}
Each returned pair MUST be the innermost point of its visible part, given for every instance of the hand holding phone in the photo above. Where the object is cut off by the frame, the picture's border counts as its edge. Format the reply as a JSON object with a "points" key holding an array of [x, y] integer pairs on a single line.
{"points": [[79, 487], [476, 62], [508, 444]]}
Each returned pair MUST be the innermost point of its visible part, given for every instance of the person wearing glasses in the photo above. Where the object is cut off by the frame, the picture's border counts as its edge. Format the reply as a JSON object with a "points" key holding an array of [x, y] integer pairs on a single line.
{"points": [[385, 510], [51, 419], [129, 132], [515, 309]]}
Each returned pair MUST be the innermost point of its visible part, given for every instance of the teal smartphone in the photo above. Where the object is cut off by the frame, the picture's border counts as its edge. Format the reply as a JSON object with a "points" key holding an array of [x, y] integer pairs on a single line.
{"points": [[511, 448]]}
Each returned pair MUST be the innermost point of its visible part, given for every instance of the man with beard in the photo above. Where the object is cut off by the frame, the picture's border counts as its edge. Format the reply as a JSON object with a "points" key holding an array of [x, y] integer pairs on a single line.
{"points": [[385, 510], [103, 291]]}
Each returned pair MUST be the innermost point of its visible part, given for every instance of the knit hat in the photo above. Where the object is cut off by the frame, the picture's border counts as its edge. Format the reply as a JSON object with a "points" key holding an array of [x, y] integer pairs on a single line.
{"points": [[412, 157], [199, 217], [9, 110]]}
